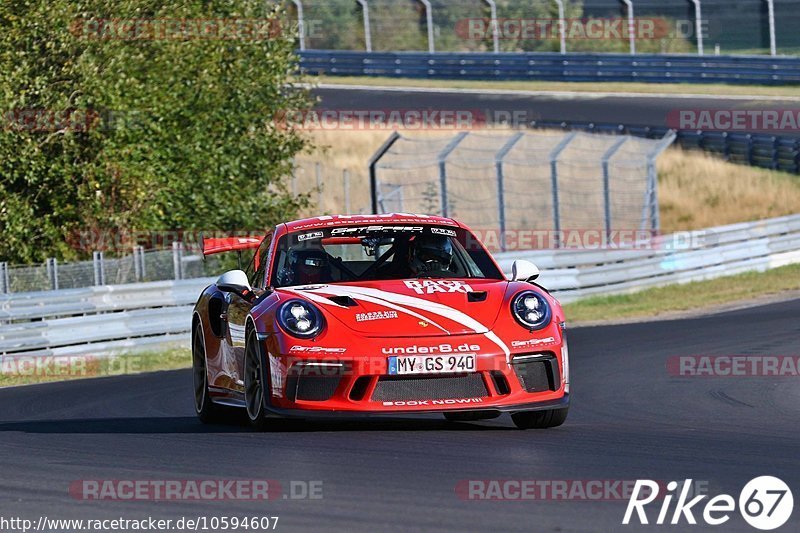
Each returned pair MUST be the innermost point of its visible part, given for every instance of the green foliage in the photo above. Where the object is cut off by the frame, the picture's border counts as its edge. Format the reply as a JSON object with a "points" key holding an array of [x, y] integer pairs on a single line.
{"points": [[151, 133], [399, 25]]}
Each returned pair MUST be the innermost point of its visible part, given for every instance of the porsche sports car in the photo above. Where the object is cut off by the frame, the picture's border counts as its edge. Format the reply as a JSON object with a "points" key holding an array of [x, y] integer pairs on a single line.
{"points": [[378, 314]]}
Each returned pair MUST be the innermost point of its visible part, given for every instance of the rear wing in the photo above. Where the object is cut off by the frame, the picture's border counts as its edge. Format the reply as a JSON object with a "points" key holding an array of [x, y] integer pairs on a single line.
{"points": [[230, 244]]}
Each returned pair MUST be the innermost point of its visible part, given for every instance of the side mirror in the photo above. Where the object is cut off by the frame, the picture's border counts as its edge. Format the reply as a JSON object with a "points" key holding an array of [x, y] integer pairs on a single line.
{"points": [[524, 271], [236, 282]]}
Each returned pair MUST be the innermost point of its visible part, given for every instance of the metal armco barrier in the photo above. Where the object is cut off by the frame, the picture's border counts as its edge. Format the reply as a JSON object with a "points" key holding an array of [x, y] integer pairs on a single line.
{"points": [[146, 316], [757, 70], [755, 149]]}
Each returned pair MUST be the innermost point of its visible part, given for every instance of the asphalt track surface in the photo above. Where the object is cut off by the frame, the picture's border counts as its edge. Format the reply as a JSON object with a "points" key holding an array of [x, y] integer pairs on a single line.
{"points": [[648, 110], [629, 420]]}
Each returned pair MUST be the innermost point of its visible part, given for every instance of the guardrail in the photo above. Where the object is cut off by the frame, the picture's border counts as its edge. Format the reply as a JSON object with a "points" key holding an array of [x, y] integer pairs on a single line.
{"points": [[678, 258], [754, 70], [755, 149], [100, 320]]}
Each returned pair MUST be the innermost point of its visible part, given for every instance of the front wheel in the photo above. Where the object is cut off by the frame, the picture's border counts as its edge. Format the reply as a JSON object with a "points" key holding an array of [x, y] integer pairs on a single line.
{"points": [[207, 412], [255, 384], [540, 419]]}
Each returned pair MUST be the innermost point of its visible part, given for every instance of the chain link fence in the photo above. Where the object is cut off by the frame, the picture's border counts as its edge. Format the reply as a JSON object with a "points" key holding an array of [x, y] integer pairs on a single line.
{"points": [[725, 26], [139, 266], [549, 181]]}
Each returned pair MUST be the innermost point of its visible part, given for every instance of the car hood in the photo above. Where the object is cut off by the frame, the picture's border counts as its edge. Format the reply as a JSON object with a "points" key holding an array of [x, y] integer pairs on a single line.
{"points": [[409, 308]]}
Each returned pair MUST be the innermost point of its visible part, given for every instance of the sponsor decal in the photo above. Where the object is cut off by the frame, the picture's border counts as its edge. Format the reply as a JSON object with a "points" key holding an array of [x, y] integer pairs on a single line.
{"points": [[765, 503], [425, 350], [375, 315], [310, 236], [361, 230], [427, 403], [423, 324], [440, 231], [532, 342], [430, 286], [316, 349]]}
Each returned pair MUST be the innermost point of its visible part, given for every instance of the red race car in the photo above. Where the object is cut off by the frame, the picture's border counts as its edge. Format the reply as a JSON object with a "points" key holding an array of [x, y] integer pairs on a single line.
{"points": [[378, 314]]}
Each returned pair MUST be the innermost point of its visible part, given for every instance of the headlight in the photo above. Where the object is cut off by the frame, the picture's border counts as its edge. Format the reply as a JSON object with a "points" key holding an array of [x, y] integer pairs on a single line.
{"points": [[301, 319], [531, 310]]}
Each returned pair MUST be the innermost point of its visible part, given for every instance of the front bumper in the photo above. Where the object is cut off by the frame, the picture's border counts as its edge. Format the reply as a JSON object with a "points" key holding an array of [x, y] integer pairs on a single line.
{"points": [[560, 403], [314, 384]]}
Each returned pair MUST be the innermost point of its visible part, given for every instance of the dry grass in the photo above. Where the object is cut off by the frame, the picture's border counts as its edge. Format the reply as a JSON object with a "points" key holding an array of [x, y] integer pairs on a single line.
{"points": [[699, 191], [696, 190]]}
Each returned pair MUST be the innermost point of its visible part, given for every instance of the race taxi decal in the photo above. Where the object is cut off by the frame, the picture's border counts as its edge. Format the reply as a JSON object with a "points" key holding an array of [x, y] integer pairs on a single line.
{"points": [[446, 232], [376, 315], [430, 286]]}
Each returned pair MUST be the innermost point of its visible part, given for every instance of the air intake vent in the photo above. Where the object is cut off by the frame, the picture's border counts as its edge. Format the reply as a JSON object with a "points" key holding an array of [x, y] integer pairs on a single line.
{"points": [[537, 373], [343, 300], [456, 387]]}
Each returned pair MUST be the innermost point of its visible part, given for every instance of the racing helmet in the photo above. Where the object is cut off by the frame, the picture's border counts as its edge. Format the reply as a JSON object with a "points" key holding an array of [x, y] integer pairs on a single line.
{"points": [[306, 267], [431, 253]]}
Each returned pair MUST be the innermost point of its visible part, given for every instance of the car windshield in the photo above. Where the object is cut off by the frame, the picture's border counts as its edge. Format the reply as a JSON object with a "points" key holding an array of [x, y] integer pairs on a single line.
{"points": [[377, 253]]}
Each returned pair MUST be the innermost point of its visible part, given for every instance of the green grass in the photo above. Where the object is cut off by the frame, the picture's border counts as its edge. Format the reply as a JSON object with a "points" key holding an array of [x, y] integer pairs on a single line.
{"points": [[21, 371], [686, 297], [644, 88]]}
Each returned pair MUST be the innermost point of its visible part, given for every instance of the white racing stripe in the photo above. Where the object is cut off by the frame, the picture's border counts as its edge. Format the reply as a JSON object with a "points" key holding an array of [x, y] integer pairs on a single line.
{"points": [[322, 300], [387, 298]]}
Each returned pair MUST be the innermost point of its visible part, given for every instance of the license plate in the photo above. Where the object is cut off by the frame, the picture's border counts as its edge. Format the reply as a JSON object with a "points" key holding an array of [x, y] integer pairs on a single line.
{"points": [[431, 364]]}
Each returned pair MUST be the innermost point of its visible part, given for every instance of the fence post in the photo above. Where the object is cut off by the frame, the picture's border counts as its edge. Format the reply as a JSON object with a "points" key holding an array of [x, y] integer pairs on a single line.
{"points": [[138, 262], [373, 169], [294, 180], [554, 183], [607, 182], [99, 268], [367, 30], [318, 174], [443, 170], [177, 260], [301, 24], [495, 26], [501, 188], [5, 286], [698, 10], [52, 272], [652, 177], [429, 20], [346, 185], [631, 26], [773, 44], [562, 26]]}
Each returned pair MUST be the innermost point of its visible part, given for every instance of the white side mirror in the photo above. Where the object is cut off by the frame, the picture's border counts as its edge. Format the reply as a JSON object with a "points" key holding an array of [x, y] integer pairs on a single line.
{"points": [[234, 281], [524, 271]]}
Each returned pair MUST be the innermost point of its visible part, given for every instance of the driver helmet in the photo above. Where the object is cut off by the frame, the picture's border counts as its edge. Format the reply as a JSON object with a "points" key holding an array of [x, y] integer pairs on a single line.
{"points": [[431, 253], [307, 267]]}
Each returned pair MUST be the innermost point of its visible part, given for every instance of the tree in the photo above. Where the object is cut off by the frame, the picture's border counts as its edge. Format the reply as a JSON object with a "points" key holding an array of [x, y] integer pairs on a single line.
{"points": [[128, 114]]}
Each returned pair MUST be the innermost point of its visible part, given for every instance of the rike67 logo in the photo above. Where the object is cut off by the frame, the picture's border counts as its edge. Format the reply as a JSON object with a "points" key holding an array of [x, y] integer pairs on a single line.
{"points": [[765, 503]]}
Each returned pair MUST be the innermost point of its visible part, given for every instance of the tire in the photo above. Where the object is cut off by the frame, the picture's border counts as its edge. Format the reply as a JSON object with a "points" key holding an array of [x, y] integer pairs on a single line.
{"points": [[255, 379], [204, 407], [540, 419]]}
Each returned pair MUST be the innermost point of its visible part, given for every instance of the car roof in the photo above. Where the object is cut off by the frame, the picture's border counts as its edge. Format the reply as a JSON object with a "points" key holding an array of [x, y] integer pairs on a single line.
{"points": [[329, 221]]}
